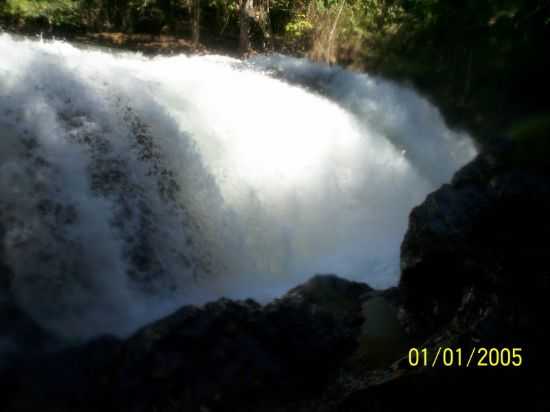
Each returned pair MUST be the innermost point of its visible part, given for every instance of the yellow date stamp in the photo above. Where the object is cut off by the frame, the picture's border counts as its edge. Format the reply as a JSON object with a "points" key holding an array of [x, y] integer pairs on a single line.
{"points": [[477, 357]]}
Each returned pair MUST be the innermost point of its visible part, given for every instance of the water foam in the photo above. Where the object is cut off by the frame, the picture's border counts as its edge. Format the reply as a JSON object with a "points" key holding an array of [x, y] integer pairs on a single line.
{"points": [[132, 185]]}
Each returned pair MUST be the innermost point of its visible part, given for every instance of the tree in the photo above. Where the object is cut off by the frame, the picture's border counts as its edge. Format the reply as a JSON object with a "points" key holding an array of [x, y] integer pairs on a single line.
{"points": [[245, 10], [264, 21], [196, 17]]}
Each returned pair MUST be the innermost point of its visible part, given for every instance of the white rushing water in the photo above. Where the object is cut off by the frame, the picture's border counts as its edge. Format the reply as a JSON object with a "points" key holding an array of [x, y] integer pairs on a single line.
{"points": [[131, 185]]}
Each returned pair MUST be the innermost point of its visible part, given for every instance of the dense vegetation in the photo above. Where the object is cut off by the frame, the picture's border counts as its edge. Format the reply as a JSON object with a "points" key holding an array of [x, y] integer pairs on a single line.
{"points": [[484, 62]]}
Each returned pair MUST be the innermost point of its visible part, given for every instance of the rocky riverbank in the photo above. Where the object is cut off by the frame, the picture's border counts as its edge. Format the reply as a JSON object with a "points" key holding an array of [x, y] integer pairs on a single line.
{"points": [[474, 274]]}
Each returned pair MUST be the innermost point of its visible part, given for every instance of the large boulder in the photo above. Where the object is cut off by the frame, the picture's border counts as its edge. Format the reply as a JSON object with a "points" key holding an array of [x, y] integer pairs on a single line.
{"points": [[76, 378], [474, 275], [481, 241], [223, 356], [238, 355]]}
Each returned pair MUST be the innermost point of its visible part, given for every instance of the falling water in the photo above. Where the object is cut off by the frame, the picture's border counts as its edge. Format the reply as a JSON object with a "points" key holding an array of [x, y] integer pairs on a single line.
{"points": [[131, 185]]}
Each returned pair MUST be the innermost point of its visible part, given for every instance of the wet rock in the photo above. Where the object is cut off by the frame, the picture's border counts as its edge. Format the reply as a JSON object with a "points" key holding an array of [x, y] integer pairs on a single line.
{"points": [[230, 354], [328, 294], [487, 230], [474, 275], [75, 378]]}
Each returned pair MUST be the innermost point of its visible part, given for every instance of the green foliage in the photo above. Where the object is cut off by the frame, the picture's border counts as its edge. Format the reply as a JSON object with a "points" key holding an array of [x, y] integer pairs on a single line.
{"points": [[55, 11], [299, 27], [324, 5]]}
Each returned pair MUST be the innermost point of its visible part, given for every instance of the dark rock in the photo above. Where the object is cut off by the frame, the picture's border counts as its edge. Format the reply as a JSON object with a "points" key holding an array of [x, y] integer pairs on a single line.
{"points": [[72, 379], [474, 275], [223, 356], [328, 294], [232, 355], [487, 230]]}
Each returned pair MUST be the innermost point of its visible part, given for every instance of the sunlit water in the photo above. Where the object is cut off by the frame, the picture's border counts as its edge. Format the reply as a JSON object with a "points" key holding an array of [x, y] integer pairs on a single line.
{"points": [[131, 185]]}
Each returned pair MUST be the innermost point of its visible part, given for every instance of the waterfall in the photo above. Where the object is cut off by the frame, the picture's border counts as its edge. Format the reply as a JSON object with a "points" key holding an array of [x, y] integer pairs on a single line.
{"points": [[131, 185]]}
